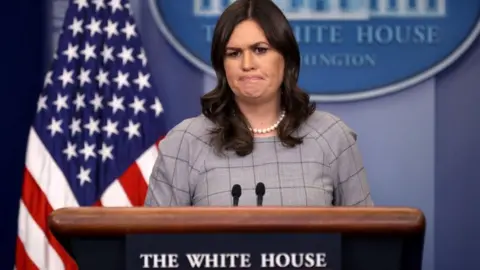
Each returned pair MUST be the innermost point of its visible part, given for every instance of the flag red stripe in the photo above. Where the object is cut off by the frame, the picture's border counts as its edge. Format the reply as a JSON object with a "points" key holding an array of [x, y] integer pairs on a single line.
{"points": [[98, 203], [159, 139], [39, 208], [134, 185], [22, 261]]}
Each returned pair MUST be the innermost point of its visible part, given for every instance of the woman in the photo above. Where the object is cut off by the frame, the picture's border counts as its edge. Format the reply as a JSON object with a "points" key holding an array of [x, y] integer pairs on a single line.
{"points": [[258, 126]]}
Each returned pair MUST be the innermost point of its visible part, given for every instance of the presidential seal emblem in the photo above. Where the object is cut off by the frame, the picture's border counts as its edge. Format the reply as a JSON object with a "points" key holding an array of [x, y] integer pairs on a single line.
{"points": [[350, 49]]}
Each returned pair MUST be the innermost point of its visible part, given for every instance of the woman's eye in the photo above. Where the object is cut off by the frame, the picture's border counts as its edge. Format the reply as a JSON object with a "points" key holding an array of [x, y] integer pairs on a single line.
{"points": [[260, 50], [232, 54]]}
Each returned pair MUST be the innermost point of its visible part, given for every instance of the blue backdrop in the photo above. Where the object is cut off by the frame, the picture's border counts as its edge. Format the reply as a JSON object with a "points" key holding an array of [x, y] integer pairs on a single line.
{"points": [[419, 145], [23, 47]]}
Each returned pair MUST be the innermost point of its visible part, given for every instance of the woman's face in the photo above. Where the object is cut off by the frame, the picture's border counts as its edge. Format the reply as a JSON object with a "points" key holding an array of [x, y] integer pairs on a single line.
{"points": [[254, 70]]}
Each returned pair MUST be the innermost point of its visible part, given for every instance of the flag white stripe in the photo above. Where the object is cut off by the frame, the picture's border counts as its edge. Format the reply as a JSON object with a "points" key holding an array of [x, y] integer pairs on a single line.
{"points": [[115, 195], [36, 244], [146, 161], [47, 174]]}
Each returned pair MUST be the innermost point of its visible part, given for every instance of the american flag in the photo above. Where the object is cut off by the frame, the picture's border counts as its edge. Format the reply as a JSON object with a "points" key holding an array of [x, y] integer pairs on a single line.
{"points": [[96, 131]]}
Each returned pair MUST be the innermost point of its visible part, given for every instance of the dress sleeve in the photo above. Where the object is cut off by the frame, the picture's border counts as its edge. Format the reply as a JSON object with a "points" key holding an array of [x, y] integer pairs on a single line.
{"points": [[351, 187], [170, 177]]}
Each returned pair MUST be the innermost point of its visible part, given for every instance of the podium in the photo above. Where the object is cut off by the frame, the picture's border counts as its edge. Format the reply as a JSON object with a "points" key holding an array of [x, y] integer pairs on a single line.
{"points": [[351, 238]]}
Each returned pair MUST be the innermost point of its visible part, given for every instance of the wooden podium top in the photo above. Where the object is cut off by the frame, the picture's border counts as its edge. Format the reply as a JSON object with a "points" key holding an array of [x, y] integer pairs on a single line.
{"points": [[119, 220]]}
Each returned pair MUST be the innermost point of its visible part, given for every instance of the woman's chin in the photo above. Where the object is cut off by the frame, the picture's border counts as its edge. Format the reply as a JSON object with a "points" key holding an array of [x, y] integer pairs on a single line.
{"points": [[251, 93]]}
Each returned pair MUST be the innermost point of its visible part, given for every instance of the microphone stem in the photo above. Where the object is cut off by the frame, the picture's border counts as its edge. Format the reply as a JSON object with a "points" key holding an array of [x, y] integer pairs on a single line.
{"points": [[259, 200], [235, 201]]}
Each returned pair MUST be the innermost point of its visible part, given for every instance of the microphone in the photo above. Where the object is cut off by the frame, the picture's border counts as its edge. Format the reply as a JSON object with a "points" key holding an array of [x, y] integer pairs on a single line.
{"points": [[260, 191], [236, 193]]}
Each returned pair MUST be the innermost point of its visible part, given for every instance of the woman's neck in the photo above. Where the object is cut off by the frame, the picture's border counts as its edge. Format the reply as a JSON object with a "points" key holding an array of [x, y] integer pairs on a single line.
{"points": [[261, 116]]}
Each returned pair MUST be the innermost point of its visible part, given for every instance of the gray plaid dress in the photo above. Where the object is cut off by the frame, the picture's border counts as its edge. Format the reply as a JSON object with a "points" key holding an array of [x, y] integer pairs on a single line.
{"points": [[325, 170]]}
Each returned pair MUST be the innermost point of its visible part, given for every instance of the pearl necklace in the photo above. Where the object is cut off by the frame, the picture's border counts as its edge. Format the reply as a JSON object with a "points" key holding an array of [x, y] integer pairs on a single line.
{"points": [[271, 128]]}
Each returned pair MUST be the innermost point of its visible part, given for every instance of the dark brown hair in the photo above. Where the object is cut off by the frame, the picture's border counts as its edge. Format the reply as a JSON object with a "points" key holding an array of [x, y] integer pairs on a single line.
{"points": [[231, 131]]}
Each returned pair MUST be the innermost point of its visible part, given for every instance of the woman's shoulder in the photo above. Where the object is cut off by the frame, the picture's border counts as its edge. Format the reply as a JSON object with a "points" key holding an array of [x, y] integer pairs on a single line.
{"points": [[190, 131], [197, 126], [329, 127]]}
